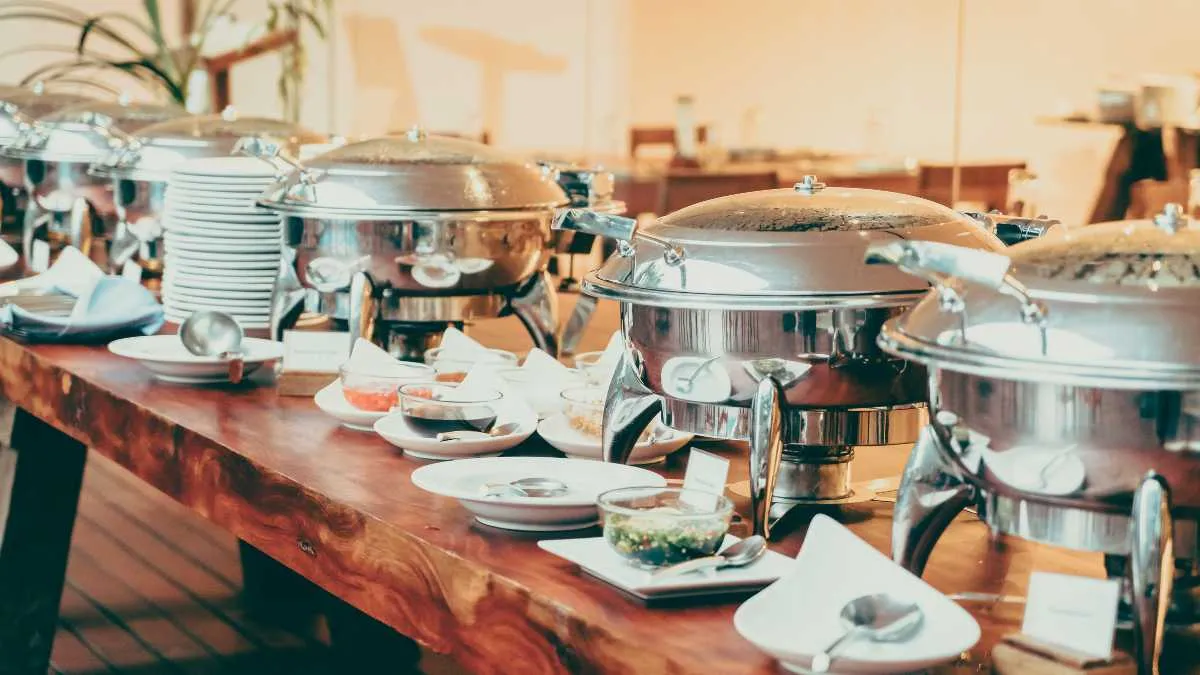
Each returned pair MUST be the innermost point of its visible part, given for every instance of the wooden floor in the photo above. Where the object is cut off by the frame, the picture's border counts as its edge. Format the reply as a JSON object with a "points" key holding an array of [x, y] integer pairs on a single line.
{"points": [[152, 588]]}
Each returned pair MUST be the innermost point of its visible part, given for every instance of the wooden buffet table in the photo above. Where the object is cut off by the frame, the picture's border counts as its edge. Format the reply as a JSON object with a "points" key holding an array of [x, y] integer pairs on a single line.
{"points": [[337, 507]]}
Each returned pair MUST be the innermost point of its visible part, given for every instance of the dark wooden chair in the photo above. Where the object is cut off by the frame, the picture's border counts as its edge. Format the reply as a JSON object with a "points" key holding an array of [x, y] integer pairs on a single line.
{"points": [[682, 189], [639, 136], [985, 184]]}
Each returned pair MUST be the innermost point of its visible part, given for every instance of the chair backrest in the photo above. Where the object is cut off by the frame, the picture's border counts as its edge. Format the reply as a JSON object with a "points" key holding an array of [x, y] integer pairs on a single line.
{"points": [[681, 189], [984, 184], [639, 136]]}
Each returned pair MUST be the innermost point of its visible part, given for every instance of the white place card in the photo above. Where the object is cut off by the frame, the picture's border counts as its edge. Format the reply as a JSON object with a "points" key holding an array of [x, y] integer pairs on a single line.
{"points": [[314, 351], [706, 474], [40, 256], [132, 271], [1079, 613]]}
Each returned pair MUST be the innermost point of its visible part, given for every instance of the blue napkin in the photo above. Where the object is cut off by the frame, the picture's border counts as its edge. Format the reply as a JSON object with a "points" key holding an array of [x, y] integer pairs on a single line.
{"points": [[106, 306]]}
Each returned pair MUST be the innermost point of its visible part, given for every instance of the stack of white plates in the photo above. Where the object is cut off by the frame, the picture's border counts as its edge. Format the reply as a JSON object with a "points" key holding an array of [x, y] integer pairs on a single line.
{"points": [[222, 251]]}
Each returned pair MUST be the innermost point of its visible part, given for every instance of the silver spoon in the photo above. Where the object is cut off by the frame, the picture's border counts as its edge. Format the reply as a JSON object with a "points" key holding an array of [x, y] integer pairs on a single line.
{"points": [[472, 435], [740, 554], [527, 487], [217, 334], [879, 618]]}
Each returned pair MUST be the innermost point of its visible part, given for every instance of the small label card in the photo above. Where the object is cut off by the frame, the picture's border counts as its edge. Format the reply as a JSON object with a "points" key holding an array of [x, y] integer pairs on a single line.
{"points": [[1078, 613], [40, 256], [132, 271], [315, 351], [706, 474]]}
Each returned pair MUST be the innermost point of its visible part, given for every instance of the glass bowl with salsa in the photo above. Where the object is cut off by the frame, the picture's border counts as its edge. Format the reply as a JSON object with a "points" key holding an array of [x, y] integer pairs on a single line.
{"points": [[376, 389], [652, 527]]}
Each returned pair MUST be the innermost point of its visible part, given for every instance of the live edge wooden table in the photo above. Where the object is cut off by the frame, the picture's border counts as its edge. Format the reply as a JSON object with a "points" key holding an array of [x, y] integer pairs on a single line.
{"points": [[337, 507]]}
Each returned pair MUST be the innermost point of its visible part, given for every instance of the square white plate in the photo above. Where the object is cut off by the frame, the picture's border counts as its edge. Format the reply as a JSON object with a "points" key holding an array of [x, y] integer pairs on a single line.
{"points": [[597, 558]]}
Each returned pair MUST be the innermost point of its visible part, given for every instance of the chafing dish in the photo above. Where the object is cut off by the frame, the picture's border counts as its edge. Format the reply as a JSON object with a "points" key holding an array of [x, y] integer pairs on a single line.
{"points": [[137, 170], [1064, 392], [18, 108], [753, 317], [68, 206], [398, 237]]}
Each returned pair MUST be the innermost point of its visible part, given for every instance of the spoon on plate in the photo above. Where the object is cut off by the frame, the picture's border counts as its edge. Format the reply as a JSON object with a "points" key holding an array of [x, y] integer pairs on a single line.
{"points": [[739, 554], [879, 617], [532, 486], [472, 435], [211, 333]]}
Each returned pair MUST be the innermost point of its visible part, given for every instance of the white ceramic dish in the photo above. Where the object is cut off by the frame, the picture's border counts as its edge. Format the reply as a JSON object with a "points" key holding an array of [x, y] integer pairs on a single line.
{"points": [[465, 479], [225, 166], [834, 567], [393, 429], [209, 219], [187, 291], [213, 198], [198, 246], [332, 402], [234, 234], [197, 184], [256, 324], [232, 282], [557, 431], [219, 262], [166, 357], [244, 305], [596, 557]]}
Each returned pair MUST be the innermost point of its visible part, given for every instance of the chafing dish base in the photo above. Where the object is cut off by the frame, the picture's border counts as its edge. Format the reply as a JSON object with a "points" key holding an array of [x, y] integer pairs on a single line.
{"points": [[1147, 544]]}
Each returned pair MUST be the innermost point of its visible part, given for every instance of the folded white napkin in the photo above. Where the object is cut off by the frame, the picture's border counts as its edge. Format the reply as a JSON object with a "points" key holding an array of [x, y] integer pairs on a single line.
{"points": [[458, 347], [366, 356], [606, 368], [551, 369], [483, 377]]}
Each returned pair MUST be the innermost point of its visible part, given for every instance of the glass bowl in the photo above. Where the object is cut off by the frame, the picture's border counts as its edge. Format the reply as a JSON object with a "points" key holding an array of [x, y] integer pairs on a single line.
{"points": [[593, 371], [653, 527], [431, 408], [546, 400], [454, 369], [375, 389], [583, 408]]}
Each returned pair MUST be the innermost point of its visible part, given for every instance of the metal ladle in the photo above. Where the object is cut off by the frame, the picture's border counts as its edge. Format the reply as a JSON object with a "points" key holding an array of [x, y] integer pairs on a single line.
{"points": [[211, 333], [879, 617], [527, 487], [740, 554]]}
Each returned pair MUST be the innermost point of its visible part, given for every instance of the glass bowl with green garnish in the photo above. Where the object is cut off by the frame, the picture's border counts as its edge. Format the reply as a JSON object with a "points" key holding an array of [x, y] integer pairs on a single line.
{"points": [[653, 527]]}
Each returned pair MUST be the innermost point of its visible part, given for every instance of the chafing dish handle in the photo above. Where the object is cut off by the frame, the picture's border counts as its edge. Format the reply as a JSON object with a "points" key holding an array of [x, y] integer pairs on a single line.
{"points": [[1014, 229], [608, 225], [937, 262]]}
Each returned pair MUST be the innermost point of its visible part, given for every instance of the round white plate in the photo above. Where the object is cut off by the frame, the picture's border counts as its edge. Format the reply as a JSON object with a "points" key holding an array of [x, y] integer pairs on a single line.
{"points": [[393, 429], [557, 431], [331, 402], [260, 313], [221, 261], [178, 319], [210, 198], [226, 165], [175, 287], [166, 357], [465, 479], [230, 217], [259, 305], [232, 233], [232, 281], [182, 244]]}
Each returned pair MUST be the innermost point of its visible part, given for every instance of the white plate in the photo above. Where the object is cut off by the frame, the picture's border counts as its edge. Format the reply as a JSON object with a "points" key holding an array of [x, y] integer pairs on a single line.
{"points": [[834, 567], [166, 357], [210, 198], [178, 319], [393, 429], [331, 402], [217, 262], [260, 304], [183, 246], [174, 287], [557, 431], [256, 313], [465, 479], [206, 219], [233, 282], [226, 166], [249, 188], [226, 232], [597, 558]]}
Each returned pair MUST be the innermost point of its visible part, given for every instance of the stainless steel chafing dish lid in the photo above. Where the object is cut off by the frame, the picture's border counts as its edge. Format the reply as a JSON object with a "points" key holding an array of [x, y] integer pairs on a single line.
{"points": [[1108, 305], [590, 187], [415, 173], [86, 132], [19, 107], [773, 249], [156, 149]]}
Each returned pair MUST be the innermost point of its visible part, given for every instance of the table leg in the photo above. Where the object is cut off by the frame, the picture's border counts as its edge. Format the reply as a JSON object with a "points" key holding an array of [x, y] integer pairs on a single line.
{"points": [[276, 594], [362, 644], [41, 472]]}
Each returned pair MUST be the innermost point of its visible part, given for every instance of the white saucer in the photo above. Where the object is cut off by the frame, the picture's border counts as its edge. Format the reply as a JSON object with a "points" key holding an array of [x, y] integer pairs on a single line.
{"points": [[166, 357], [218, 262], [465, 479], [248, 188], [177, 194], [597, 558], [231, 282], [226, 166], [571, 442], [232, 220], [393, 429], [834, 567], [331, 402]]}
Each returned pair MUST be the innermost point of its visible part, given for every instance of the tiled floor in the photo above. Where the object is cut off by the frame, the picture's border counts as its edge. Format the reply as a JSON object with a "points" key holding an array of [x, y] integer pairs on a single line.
{"points": [[152, 588]]}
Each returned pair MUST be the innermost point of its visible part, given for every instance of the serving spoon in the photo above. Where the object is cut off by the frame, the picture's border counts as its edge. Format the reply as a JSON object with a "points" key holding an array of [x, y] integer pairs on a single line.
{"points": [[879, 617], [532, 486], [739, 554], [472, 435], [211, 333]]}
